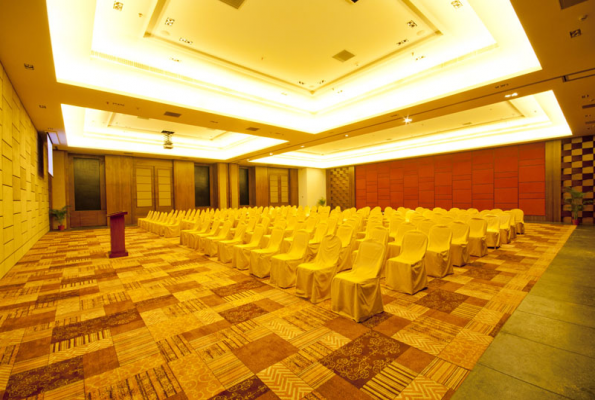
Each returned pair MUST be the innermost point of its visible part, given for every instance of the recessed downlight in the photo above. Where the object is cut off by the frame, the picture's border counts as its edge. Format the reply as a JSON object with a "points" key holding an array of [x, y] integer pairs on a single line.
{"points": [[118, 5], [169, 21], [270, 154], [407, 120]]}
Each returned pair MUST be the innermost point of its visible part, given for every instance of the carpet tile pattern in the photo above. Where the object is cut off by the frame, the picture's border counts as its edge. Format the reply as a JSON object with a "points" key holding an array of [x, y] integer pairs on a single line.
{"points": [[169, 323]]}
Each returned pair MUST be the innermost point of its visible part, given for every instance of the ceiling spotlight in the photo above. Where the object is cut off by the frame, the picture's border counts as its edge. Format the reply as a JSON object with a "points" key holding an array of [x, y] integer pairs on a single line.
{"points": [[407, 120], [186, 40], [169, 21], [346, 135], [303, 146], [270, 154], [456, 4], [511, 95], [402, 42], [175, 59], [167, 143], [411, 24], [29, 66], [118, 5]]}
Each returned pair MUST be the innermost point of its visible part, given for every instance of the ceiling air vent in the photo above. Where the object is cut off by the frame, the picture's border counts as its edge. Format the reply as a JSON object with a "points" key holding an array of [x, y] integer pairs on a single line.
{"points": [[343, 56], [589, 106], [172, 114], [252, 129], [234, 3], [569, 3]]}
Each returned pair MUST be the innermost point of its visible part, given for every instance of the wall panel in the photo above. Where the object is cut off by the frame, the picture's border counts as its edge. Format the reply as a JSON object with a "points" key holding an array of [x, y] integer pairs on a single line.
{"points": [[24, 194], [183, 185], [118, 185], [506, 177], [577, 171]]}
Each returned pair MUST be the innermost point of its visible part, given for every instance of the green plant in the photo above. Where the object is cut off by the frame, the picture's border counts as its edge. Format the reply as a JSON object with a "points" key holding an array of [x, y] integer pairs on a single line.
{"points": [[576, 201], [60, 214], [321, 202]]}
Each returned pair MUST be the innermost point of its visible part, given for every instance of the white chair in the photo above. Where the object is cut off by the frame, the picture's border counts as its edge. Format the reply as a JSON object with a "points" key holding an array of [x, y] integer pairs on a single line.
{"points": [[406, 273], [478, 236], [437, 260], [283, 266], [493, 233], [394, 248], [208, 245], [241, 252], [356, 294], [260, 259], [459, 247], [225, 250]]}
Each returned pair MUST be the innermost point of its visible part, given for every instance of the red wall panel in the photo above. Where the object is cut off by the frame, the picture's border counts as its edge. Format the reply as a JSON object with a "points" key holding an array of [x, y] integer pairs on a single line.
{"points": [[505, 177]]}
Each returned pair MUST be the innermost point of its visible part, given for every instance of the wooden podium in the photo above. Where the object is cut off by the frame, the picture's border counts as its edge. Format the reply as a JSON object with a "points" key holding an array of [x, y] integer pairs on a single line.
{"points": [[117, 224]]}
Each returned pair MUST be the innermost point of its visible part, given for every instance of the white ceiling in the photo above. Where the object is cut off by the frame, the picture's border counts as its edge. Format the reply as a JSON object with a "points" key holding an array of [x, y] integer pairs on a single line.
{"points": [[89, 55]]}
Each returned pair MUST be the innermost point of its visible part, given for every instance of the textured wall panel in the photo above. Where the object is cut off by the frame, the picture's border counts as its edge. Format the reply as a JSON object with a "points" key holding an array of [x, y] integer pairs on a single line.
{"points": [[340, 182], [506, 177], [577, 171]]}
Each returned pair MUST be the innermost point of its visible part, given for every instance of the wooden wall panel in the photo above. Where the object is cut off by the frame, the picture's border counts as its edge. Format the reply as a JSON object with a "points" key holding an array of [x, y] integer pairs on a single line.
{"points": [[234, 185], [223, 185], [183, 185], [506, 177], [294, 191], [340, 187], [118, 185], [261, 184]]}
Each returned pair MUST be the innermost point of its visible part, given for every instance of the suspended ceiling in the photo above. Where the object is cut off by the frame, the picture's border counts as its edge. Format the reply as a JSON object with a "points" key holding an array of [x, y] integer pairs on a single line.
{"points": [[267, 70]]}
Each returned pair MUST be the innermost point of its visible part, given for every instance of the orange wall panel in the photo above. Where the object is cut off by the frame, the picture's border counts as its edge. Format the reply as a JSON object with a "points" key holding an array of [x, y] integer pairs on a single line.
{"points": [[506, 177]]}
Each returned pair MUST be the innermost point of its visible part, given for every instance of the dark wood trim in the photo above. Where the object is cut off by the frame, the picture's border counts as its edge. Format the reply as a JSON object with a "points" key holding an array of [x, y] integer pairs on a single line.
{"points": [[352, 185], [553, 181], [294, 187], [329, 200], [252, 186]]}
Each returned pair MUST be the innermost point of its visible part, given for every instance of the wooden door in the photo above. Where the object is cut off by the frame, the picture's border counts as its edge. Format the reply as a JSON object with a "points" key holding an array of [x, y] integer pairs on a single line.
{"points": [[278, 187], [152, 189], [86, 191]]}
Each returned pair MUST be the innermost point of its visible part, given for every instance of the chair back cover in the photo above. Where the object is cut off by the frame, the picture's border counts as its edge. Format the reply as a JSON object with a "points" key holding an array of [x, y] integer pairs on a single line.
{"points": [[329, 251], [311, 222], [257, 235], [251, 224], [426, 225], [275, 240], [299, 244], [332, 226], [369, 260], [319, 233], [519, 215], [414, 245], [440, 237], [512, 221], [460, 232], [240, 230], [345, 234], [291, 221], [493, 222], [403, 229], [496, 211], [379, 234], [394, 223], [478, 227], [225, 229], [215, 227], [445, 220]]}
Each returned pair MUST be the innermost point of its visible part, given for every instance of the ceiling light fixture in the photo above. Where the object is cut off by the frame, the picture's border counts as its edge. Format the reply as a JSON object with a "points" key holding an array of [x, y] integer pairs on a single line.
{"points": [[271, 154], [42, 106], [175, 59], [346, 135], [186, 40], [169, 21], [411, 24], [118, 5], [407, 120], [511, 95], [303, 146], [29, 66], [402, 42], [456, 4], [167, 143]]}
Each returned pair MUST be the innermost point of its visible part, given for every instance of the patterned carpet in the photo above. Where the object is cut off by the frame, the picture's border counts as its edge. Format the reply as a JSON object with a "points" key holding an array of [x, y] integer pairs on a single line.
{"points": [[166, 322]]}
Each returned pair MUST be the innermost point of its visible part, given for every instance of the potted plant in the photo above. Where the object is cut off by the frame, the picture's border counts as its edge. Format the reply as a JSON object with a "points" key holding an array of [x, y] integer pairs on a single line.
{"points": [[321, 202], [576, 202], [60, 215]]}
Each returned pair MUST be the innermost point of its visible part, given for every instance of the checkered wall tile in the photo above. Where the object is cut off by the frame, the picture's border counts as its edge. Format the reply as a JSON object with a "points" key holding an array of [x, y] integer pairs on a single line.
{"points": [[577, 171], [339, 182]]}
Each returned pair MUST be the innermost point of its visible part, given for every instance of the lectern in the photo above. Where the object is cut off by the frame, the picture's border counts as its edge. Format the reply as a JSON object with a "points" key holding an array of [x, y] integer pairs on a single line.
{"points": [[117, 224]]}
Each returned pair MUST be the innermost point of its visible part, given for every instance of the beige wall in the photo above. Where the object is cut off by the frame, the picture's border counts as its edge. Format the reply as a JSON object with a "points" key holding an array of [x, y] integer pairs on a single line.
{"points": [[24, 197], [312, 186]]}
